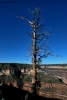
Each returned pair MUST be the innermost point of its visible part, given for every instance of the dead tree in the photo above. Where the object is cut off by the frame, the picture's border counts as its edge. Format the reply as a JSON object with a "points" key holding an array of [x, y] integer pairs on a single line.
{"points": [[38, 48]]}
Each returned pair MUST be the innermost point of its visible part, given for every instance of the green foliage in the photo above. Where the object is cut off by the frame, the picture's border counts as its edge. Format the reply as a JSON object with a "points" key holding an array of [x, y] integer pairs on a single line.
{"points": [[2, 78], [48, 79], [14, 78], [43, 78], [28, 79], [1, 91], [14, 66], [6, 78]]}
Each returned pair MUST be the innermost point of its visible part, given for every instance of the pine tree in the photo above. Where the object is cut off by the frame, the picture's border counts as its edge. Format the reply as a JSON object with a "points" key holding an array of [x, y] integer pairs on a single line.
{"points": [[1, 91]]}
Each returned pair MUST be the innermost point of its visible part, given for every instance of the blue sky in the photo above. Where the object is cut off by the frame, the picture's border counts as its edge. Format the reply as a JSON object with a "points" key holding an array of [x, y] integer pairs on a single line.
{"points": [[14, 39]]}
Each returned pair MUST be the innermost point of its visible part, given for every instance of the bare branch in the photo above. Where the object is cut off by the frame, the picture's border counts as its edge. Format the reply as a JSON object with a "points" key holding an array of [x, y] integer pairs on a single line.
{"points": [[23, 18], [39, 26], [30, 34]]}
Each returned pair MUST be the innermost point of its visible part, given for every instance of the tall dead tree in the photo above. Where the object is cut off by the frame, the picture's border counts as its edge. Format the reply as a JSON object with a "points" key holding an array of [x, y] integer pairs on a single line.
{"points": [[38, 48]]}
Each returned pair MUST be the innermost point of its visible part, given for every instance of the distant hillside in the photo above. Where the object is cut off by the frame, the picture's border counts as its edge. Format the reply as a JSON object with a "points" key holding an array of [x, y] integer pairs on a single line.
{"points": [[18, 65], [54, 64], [14, 65]]}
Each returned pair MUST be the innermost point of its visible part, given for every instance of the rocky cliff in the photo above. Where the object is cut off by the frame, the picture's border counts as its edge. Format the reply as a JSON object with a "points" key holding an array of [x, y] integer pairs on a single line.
{"points": [[47, 90]]}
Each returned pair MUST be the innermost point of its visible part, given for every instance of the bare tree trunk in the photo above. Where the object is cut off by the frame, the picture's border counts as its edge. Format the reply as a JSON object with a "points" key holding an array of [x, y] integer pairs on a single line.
{"points": [[34, 76], [37, 27]]}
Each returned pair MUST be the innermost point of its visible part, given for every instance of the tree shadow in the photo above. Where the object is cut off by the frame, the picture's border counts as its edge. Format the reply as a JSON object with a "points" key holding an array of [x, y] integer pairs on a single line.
{"points": [[12, 93]]}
